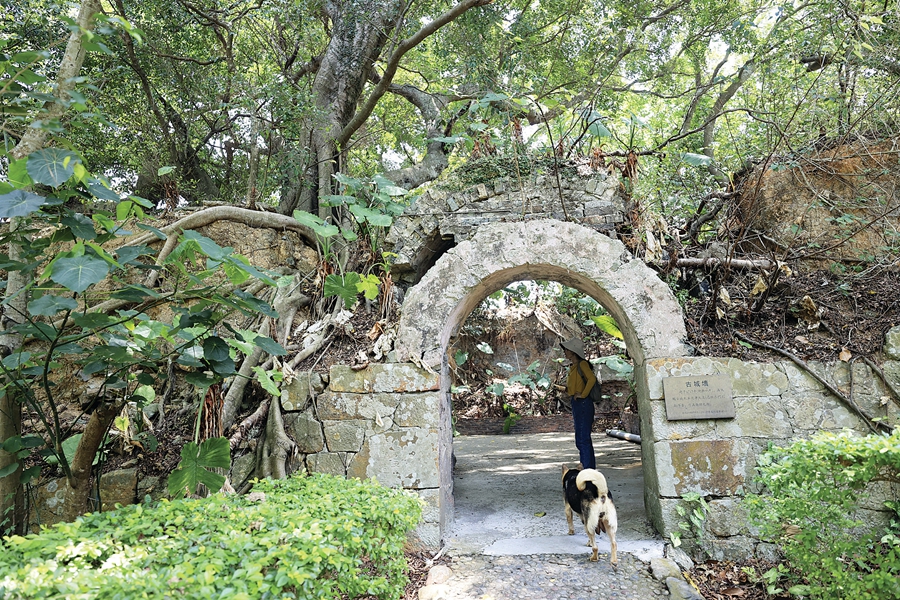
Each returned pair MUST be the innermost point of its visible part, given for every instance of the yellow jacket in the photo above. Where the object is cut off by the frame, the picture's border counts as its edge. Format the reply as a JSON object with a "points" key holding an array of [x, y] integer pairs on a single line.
{"points": [[580, 383]]}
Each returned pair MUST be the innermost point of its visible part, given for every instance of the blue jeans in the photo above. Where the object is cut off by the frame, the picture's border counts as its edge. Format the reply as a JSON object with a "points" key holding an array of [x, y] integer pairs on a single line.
{"points": [[583, 413]]}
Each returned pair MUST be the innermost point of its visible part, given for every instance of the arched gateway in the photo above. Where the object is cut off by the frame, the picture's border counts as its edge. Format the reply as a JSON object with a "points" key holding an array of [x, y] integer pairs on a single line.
{"points": [[499, 254]]}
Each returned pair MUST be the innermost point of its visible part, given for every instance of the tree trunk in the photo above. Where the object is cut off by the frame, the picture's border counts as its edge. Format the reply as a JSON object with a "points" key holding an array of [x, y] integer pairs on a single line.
{"points": [[32, 140], [77, 493]]}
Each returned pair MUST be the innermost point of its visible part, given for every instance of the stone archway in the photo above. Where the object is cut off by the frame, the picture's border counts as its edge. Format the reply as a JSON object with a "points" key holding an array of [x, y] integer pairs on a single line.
{"points": [[499, 254]]}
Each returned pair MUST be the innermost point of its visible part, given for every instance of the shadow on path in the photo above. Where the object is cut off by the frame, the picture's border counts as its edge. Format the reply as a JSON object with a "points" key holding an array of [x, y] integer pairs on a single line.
{"points": [[508, 496]]}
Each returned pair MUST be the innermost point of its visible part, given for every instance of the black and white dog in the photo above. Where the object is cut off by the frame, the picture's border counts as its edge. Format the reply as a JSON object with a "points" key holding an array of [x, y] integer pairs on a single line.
{"points": [[585, 493]]}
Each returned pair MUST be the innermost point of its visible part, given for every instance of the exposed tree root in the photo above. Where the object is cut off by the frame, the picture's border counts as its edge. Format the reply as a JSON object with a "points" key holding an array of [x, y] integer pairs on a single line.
{"points": [[249, 423], [239, 382], [251, 218], [275, 452]]}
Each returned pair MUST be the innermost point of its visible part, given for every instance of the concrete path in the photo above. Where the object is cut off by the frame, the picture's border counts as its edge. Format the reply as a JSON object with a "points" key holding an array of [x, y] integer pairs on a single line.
{"points": [[508, 496]]}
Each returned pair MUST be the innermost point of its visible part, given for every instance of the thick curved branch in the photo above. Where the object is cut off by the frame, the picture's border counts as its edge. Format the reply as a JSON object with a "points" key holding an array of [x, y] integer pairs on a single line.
{"points": [[251, 218], [362, 115]]}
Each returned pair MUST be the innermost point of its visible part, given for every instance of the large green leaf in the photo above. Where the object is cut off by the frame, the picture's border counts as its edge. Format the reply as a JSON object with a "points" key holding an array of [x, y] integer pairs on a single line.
{"points": [[696, 160], [50, 304], [18, 173], [320, 227], [52, 166], [20, 203], [80, 272], [80, 225], [608, 325], [345, 287], [214, 453]]}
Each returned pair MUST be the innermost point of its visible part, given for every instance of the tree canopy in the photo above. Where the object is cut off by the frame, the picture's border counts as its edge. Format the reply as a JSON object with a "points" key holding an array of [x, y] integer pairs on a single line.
{"points": [[265, 100]]}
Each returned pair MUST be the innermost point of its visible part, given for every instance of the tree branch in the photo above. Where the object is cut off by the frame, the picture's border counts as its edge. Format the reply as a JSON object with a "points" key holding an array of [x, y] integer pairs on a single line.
{"points": [[393, 63]]}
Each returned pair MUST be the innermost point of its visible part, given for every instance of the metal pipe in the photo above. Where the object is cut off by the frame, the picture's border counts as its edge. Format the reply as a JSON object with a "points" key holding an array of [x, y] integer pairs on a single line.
{"points": [[624, 435]]}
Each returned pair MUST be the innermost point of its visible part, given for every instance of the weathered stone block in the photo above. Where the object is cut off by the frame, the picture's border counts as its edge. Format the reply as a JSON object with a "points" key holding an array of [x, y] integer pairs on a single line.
{"points": [[151, 486], [663, 429], [711, 467], [330, 463], [296, 395], [760, 417], [727, 517], [306, 431], [418, 410], [241, 468], [679, 589], [812, 412], [382, 377], [345, 436], [406, 458], [343, 406], [118, 487], [662, 568], [735, 548], [892, 343]]}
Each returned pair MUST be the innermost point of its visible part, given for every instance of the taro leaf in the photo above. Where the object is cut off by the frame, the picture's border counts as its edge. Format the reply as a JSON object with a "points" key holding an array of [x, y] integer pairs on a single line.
{"points": [[594, 124], [164, 171], [8, 469], [320, 227], [337, 200], [100, 191], [375, 217], [80, 272], [52, 166], [15, 360], [696, 160], [447, 140], [351, 182], [208, 247], [81, 226], [50, 304], [461, 357], [608, 325], [19, 203], [134, 293], [93, 320], [158, 233], [345, 287], [128, 254], [200, 379], [214, 453], [506, 366], [269, 345]]}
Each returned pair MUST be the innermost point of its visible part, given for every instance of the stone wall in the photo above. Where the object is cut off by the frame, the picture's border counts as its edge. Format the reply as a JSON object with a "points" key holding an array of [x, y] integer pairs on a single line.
{"points": [[440, 219], [775, 403]]}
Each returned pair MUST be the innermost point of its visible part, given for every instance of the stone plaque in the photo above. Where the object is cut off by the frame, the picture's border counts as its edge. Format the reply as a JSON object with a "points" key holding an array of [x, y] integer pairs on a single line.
{"points": [[698, 397]]}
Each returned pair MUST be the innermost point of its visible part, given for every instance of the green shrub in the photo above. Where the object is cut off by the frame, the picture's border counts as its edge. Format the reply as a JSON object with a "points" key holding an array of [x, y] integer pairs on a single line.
{"points": [[312, 536], [814, 490]]}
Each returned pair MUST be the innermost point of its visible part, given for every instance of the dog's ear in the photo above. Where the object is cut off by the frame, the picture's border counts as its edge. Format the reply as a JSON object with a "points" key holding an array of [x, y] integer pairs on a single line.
{"points": [[580, 467], [564, 469]]}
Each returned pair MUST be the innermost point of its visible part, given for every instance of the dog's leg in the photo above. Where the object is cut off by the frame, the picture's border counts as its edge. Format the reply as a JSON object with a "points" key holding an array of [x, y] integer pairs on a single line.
{"points": [[569, 519], [590, 527], [611, 525]]}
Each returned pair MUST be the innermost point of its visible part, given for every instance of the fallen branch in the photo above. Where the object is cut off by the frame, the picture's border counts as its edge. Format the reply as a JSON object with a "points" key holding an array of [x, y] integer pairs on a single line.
{"points": [[872, 425], [737, 263]]}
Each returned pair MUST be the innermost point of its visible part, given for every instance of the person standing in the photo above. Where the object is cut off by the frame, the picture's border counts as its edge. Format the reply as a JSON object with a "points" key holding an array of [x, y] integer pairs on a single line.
{"points": [[580, 380]]}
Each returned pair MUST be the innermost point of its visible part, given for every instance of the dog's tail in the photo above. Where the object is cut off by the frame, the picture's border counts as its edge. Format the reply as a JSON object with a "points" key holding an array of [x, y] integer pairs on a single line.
{"points": [[595, 477]]}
